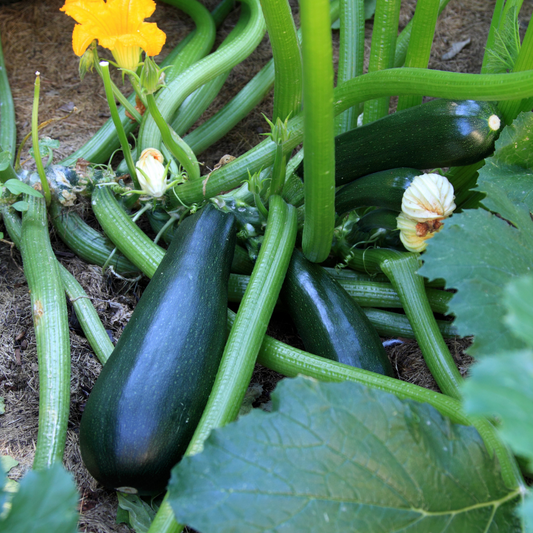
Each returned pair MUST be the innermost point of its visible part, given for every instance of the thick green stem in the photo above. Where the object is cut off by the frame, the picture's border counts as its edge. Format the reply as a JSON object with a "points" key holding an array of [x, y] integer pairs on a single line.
{"points": [[419, 49], [318, 130], [250, 325], [382, 51], [351, 55], [287, 58], [428, 82], [50, 320], [124, 233], [401, 269], [8, 125]]}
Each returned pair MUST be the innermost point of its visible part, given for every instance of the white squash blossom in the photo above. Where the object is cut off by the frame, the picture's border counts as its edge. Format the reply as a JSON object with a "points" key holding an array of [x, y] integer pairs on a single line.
{"points": [[152, 173], [429, 197], [425, 204]]}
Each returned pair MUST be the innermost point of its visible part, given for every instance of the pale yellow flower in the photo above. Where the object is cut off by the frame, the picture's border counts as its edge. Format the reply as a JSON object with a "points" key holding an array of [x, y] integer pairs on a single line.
{"points": [[118, 25]]}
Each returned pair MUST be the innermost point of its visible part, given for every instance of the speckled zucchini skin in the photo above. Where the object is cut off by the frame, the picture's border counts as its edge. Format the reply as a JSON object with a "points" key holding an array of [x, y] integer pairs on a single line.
{"points": [[330, 323], [147, 401], [438, 133]]}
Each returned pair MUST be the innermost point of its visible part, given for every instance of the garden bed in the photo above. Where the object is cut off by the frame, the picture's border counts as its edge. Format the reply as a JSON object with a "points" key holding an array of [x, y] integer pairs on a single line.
{"points": [[36, 36]]}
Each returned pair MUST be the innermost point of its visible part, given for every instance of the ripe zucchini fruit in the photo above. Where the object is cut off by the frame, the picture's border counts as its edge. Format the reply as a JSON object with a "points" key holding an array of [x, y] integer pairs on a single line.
{"points": [[438, 133], [150, 395], [380, 189], [330, 323]]}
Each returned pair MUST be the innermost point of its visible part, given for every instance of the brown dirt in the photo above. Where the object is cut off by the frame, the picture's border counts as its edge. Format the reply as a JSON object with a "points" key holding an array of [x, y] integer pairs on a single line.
{"points": [[37, 36]]}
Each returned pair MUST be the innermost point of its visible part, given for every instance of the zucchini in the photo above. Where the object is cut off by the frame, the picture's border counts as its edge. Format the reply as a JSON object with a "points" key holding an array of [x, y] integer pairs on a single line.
{"points": [[438, 133], [150, 395], [330, 323], [380, 189]]}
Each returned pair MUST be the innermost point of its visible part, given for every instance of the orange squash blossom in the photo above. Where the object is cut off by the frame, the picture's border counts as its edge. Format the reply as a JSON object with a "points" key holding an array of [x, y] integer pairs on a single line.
{"points": [[118, 25]]}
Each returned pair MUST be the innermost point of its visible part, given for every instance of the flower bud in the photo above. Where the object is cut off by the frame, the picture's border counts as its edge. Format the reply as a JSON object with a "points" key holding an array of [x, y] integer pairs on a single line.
{"points": [[152, 77], [152, 173], [429, 197]]}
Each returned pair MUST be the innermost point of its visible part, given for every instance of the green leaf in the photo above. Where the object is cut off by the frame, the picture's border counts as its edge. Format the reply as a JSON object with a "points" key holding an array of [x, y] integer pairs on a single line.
{"points": [[19, 187], [341, 457], [5, 160], [370, 8], [140, 514], [501, 385], [478, 253], [46, 145], [511, 167], [46, 502], [502, 56], [518, 299], [2, 401], [8, 487], [21, 206]]}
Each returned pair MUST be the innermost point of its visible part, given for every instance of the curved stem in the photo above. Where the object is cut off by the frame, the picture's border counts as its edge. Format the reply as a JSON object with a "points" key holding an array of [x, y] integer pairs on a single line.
{"points": [[35, 141], [50, 320], [287, 58], [201, 72], [177, 147], [427, 82], [126, 150]]}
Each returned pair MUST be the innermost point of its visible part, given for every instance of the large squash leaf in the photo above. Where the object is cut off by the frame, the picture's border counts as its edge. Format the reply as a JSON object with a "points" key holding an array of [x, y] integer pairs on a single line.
{"points": [[478, 253], [341, 457]]}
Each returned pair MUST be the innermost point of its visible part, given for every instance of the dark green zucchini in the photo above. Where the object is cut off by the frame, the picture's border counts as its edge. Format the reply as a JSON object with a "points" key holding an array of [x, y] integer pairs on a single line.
{"points": [[380, 189], [438, 133], [147, 401], [330, 323]]}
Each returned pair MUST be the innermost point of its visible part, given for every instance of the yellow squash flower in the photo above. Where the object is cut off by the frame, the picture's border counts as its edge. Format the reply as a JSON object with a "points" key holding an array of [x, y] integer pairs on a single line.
{"points": [[118, 25]]}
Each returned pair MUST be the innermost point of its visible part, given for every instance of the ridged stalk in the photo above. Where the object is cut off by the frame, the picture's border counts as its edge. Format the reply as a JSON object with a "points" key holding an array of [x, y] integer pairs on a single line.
{"points": [[419, 49], [50, 321], [124, 233], [286, 56], [318, 130], [85, 312], [8, 125], [351, 55], [366, 293], [382, 51]]}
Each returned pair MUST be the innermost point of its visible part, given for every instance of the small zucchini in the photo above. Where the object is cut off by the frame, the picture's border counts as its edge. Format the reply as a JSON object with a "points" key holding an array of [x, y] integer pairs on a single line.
{"points": [[330, 323], [438, 133], [380, 189], [151, 393]]}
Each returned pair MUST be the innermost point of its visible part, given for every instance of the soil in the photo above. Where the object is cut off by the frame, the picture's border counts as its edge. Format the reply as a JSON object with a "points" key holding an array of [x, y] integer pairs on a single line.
{"points": [[36, 36]]}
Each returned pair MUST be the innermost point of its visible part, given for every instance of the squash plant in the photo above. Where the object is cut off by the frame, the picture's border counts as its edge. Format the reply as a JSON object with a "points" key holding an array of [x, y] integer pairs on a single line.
{"points": [[372, 452]]}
